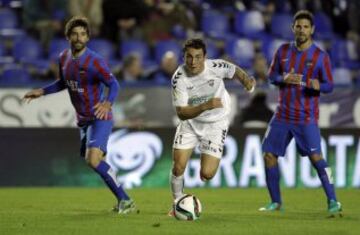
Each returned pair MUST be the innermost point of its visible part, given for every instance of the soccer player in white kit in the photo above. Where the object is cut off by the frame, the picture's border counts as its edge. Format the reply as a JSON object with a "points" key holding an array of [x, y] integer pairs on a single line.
{"points": [[203, 106]]}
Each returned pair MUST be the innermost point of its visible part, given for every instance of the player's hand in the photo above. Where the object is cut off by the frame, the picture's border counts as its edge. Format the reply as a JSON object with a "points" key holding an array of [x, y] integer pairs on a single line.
{"points": [[293, 78], [102, 110], [213, 103], [315, 84], [33, 95]]}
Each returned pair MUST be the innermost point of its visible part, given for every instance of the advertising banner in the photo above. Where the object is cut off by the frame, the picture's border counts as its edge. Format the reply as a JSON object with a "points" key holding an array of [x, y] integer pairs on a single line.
{"points": [[142, 158]]}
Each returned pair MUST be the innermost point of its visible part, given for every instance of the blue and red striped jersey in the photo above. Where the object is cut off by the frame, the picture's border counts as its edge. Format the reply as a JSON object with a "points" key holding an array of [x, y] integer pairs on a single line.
{"points": [[299, 104], [85, 78]]}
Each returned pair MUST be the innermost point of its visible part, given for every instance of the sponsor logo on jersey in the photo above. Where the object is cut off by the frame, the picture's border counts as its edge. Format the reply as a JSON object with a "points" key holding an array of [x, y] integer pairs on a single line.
{"points": [[308, 63], [196, 100], [74, 86]]}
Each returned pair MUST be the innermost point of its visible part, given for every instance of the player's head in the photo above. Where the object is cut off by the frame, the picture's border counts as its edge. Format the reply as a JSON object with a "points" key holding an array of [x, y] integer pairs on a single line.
{"points": [[77, 32], [303, 26], [194, 51]]}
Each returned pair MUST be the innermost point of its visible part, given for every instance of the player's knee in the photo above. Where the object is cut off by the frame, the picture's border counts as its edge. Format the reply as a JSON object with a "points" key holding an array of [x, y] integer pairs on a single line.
{"points": [[178, 169], [92, 160], [270, 160], [315, 158], [206, 175]]}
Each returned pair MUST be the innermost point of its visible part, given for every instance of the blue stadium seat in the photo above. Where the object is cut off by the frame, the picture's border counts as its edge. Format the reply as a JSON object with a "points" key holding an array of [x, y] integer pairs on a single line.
{"points": [[281, 26], [56, 46], [179, 32], [135, 46], [2, 49], [344, 54], [241, 51], [27, 50], [342, 76], [4, 58], [215, 25], [212, 51], [29, 53], [270, 46], [15, 75], [323, 26], [162, 47], [249, 24], [8, 19], [103, 47], [9, 24]]}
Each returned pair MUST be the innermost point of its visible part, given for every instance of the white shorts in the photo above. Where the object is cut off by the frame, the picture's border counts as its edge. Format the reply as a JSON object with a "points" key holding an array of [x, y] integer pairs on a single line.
{"points": [[210, 136]]}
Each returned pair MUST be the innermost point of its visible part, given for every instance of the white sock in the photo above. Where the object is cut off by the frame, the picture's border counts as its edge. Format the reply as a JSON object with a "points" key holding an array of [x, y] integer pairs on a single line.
{"points": [[177, 185]]}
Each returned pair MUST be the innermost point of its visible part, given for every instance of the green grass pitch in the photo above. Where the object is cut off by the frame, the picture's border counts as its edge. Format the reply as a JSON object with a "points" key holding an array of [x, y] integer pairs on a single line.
{"points": [[65, 211]]}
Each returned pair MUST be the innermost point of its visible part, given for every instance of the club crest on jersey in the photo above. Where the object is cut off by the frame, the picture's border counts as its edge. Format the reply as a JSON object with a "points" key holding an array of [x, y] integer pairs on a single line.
{"points": [[211, 82]]}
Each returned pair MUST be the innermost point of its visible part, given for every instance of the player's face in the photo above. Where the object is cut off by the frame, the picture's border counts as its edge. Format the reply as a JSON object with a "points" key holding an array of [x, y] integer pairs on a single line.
{"points": [[78, 38], [302, 30], [194, 60]]}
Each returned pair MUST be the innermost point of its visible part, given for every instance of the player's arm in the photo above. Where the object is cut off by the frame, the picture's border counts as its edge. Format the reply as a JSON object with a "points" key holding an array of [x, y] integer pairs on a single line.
{"points": [[278, 78], [103, 108], [189, 112], [180, 100], [247, 81], [324, 83], [54, 87], [274, 73]]}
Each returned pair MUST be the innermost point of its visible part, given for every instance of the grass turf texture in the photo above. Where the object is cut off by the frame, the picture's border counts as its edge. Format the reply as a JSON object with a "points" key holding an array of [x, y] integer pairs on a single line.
{"points": [[225, 211]]}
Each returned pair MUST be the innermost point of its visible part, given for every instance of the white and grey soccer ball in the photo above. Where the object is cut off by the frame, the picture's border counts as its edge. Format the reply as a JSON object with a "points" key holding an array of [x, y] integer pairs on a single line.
{"points": [[187, 207]]}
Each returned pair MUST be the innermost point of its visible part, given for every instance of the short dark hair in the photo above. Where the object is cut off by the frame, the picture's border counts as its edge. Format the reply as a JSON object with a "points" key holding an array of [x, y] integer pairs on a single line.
{"points": [[76, 21], [304, 14], [196, 43]]}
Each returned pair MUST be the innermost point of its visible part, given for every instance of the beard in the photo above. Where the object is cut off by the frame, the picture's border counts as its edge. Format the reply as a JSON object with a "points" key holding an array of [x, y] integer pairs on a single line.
{"points": [[301, 39], [78, 46]]}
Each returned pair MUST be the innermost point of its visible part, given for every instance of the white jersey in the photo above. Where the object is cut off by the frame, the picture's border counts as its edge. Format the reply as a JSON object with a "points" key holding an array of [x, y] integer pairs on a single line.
{"points": [[195, 90]]}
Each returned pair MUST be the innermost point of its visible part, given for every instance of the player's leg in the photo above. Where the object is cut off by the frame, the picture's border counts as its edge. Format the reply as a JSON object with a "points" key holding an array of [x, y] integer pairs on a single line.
{"points": [[276, 140], [325, 174], [308, 141], [209, 166], [184, 142], [272, 176], [180, 160], [211, 148], [97, 135]]}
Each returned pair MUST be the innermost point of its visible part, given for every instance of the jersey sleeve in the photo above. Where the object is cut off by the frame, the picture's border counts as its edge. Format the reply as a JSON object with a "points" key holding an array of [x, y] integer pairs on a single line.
{"points": [[223, 68], [179, 93], [325, 76], [59, 84], [274, 73], [106, 77]]}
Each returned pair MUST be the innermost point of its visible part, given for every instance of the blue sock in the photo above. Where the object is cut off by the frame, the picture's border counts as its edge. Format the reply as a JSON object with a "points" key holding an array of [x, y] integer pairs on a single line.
{"points": [[273, 183], [106, 173], [324, 173]]}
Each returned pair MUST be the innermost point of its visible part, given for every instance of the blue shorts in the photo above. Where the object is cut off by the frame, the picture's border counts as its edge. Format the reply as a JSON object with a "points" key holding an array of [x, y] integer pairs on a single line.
{"points": [[95, 134], [279, 134]]}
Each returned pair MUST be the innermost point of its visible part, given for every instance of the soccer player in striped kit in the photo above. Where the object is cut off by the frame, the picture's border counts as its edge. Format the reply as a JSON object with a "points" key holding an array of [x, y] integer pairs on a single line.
{"points": [[85, 74], [301, 71]]}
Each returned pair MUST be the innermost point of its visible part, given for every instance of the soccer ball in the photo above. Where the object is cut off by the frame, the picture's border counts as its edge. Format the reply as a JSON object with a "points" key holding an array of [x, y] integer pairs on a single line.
{"points": [[187, 207]]}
